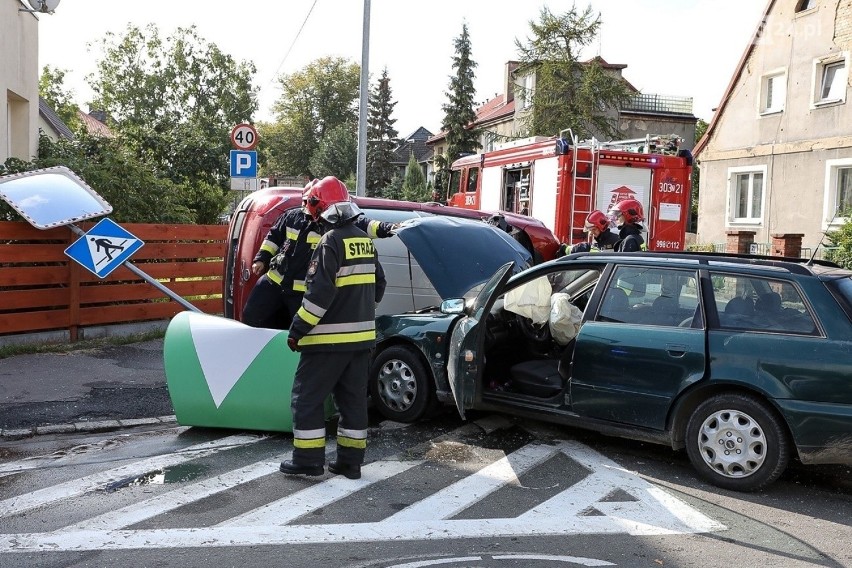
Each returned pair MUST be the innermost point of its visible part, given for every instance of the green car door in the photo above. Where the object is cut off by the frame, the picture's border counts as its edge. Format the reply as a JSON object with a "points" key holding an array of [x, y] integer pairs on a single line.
{"points": [[643, 346], [464, 363]]}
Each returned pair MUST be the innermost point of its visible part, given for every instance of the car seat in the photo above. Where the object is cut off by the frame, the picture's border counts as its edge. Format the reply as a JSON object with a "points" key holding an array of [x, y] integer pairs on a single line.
{"points": [[615, 305], [665, 311], [768, 303]]}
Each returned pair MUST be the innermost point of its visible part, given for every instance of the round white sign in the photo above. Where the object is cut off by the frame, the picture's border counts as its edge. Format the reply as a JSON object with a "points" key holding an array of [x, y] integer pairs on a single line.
{"points": [[244, 137]]}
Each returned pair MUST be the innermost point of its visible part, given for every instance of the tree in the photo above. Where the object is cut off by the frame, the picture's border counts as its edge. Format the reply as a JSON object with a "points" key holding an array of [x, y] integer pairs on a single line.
{"points": [[51, 87], [842, 240], [414, 185], [381, 137], [459, 112], [394, 189], [337, 154], [567, 93], [315, 101], [700, 129], [173, 102]]}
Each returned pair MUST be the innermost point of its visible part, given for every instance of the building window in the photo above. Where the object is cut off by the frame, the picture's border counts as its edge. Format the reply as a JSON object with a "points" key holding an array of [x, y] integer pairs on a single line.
{"points": [[773, 92], [803, 5], [838, 192], [746, 189], [830, 76], [527, 90]]}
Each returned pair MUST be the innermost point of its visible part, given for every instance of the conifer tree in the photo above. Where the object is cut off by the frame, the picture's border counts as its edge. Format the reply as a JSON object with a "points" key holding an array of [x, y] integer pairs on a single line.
{"points": [[381, 137], [459, 112], [414, 185], [567, 93]]}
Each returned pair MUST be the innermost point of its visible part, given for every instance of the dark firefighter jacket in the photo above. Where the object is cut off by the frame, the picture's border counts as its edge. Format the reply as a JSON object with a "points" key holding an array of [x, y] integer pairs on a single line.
{"points": [[630, 239], [290, 242], [605, 241], [345, 282]]}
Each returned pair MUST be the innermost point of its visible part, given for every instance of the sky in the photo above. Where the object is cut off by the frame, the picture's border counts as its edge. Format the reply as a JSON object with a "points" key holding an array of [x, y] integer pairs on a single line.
{"points": [[687, 48]]}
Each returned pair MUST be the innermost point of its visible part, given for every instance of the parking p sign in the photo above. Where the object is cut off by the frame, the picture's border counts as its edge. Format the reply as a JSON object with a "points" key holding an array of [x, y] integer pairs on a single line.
{"points": [[243, 163]]}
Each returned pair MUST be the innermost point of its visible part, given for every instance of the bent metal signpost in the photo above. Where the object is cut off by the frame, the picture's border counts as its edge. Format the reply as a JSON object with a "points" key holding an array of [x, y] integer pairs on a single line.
{"points": [[53, 197]]}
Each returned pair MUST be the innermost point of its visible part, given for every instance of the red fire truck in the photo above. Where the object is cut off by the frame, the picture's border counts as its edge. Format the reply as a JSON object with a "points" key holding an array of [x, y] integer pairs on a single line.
{"points": [[559, 180]]}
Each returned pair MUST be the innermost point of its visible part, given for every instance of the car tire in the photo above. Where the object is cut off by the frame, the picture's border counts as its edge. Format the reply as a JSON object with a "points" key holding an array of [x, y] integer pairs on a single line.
{"points": [[737, 442], [400, 386]]}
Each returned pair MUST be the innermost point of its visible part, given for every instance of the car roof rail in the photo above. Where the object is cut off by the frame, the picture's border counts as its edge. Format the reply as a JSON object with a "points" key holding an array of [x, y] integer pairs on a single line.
{"points": [[795, 265]]}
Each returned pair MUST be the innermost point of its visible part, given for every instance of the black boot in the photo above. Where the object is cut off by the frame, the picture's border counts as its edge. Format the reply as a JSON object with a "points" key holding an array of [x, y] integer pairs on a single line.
{"points": [[349, 470], [291, 468]]}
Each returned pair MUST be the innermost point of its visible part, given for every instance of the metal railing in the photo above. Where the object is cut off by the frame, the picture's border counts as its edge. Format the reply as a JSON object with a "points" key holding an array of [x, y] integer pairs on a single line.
{"points": [[659, 103]]}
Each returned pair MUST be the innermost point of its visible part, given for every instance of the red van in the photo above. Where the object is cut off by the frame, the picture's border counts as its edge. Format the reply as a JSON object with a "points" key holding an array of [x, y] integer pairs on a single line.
{"points": [[257, 212]]}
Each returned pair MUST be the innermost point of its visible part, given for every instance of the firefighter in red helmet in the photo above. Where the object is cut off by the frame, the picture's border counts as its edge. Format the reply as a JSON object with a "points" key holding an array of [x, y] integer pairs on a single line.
{"points": [[597, 226], [281, 263], [334, 330], [627, 214]]}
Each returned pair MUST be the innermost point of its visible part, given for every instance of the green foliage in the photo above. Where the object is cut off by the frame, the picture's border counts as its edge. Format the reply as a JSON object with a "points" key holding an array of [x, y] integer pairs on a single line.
{"points": [[173, 102], [442, 178], [337, 154], [51, 87], [700, 129], [841, 239], [136, 194], [381, 137], [315, 101], [414, 185], [568, 93], [460, 112], [394, 189]]}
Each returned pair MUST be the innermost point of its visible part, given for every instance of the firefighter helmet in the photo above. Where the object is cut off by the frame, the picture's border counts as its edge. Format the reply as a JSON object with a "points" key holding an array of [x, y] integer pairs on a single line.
{"points": [[596, 220], [630, 209], [329, 199]]}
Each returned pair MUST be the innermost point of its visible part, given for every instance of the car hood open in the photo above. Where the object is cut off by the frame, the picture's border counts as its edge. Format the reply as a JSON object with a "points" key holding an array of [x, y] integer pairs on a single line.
{"points": [[457, 254]]}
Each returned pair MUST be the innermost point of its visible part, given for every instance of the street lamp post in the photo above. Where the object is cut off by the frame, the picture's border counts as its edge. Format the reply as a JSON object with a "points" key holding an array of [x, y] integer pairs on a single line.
{"points": [[361, 170]]}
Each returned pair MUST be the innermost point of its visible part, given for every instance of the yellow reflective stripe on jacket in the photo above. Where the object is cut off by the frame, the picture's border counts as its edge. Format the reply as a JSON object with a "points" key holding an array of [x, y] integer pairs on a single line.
{"points": [[291, 234], [307, 316], [314, 239], [299, 286], [269, 247], [373, 229], [356, 274], [355, 279], [332, 338], [275, 276]]}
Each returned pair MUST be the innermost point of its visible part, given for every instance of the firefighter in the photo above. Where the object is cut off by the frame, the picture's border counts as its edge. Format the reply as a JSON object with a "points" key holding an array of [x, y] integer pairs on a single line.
{"points": [[335, 332], [282, 262], [597, 225], [627, 214]]}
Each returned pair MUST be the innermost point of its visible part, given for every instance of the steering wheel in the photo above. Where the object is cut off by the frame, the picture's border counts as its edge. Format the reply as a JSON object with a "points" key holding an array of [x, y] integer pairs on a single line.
{"points": [[534, 332]]}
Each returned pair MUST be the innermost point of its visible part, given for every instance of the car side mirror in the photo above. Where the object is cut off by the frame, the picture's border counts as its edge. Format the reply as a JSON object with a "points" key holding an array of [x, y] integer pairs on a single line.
{"points": [[453, 306]]}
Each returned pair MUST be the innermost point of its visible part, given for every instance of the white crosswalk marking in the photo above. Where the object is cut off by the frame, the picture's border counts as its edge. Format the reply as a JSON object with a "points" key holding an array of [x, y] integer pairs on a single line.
{"points": [[294, 506], [609, 500], [462, 494], [77, 487]]}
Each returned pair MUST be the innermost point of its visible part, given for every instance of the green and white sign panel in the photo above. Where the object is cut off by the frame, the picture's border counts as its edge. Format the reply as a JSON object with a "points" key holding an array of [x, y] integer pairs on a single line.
{"points": [[224, 374]]}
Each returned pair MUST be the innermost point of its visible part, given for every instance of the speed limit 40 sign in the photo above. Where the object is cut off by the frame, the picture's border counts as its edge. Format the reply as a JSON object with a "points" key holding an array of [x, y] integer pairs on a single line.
{"points": [[244, 137]]}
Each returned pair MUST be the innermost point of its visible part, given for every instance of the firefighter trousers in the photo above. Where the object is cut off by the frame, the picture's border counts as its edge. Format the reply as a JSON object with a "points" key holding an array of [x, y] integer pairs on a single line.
{"points": [[269, 306], [320, 373]]}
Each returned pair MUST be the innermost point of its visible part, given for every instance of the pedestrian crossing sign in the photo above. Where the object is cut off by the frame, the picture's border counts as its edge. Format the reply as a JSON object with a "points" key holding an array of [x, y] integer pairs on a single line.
{"points": [[105, 247]]}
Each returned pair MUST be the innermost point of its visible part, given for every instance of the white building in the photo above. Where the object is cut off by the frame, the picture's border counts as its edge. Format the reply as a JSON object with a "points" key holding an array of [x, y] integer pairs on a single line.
{"points": [[19, 116], [776, 160]]}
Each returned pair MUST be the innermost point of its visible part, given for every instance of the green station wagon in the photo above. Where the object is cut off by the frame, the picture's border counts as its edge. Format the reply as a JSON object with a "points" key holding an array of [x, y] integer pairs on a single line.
{"points": [[745, 362]]}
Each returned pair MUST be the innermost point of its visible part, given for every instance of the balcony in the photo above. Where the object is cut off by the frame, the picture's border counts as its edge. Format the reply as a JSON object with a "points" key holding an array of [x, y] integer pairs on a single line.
{"points": [[659, 104]]}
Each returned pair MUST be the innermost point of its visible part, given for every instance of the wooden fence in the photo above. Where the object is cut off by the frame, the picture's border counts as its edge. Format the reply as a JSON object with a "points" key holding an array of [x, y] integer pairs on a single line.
{"points": [[41, 289]]}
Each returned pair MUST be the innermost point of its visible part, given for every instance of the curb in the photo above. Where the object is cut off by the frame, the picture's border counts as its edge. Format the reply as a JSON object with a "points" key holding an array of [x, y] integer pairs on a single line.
{"points": [[98, 426]]}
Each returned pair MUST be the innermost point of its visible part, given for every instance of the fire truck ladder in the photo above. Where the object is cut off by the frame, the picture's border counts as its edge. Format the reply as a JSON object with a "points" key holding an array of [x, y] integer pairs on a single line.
{"points": [[586, 197]]}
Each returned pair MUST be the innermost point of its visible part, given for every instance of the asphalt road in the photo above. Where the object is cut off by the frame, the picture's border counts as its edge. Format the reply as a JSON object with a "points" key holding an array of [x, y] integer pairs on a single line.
{"points": [[108, 383]]}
